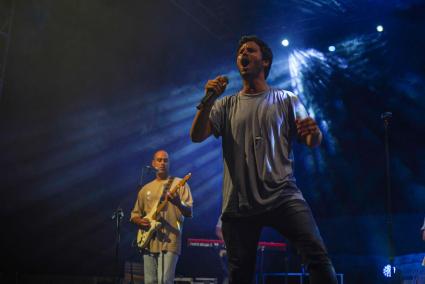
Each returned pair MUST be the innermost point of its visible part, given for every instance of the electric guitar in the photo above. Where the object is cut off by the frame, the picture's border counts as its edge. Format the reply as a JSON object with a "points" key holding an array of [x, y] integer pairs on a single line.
{"points": [[144, 236]]}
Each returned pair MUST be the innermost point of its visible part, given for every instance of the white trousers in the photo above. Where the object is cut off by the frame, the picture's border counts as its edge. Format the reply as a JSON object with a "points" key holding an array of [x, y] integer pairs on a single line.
{"points": [[159, 268]]}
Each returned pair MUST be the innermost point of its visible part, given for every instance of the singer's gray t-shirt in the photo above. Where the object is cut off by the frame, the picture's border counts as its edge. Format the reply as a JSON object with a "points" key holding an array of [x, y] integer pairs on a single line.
{"points": [[257, 132]]}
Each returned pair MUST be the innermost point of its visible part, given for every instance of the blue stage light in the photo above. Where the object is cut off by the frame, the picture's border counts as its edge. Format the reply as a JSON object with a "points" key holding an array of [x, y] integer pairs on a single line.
{"points": [[388, 271], [285, 42], [331, 48], [380, 28]]}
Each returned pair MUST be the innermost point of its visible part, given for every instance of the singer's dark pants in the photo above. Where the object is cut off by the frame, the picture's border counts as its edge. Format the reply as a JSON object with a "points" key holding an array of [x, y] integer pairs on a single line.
{"points": [[295, 222]]}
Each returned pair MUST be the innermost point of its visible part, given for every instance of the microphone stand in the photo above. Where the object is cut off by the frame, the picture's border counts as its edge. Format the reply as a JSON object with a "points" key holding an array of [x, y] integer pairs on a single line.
{"points": [[142, 175], [150, 169], [117, 216], [386, 117], [134, 243]]}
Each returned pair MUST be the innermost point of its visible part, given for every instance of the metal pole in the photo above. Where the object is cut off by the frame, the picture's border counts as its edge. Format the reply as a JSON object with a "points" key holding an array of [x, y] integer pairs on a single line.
{"points": [[386, 117], [117, 216], [6, 51]]}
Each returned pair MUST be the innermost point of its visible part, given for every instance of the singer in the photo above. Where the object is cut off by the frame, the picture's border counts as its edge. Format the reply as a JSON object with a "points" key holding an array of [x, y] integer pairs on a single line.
{"points": [[258, 126], [162, 252]]}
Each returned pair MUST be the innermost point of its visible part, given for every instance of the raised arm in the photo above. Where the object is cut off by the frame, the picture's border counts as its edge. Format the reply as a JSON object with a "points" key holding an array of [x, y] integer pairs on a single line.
{"points": [[201, 126]]}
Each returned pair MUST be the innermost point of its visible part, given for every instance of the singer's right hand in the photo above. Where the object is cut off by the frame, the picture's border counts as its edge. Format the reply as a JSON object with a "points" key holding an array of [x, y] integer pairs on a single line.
{"points": [[217, 85]]}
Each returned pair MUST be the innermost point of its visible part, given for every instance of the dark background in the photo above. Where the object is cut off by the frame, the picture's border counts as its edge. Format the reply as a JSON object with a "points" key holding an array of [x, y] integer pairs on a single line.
{"points": [[92, 88]]}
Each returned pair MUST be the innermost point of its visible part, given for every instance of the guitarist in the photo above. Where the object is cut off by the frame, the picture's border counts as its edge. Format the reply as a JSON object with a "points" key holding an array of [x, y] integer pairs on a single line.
{"points": [[161, 254]]}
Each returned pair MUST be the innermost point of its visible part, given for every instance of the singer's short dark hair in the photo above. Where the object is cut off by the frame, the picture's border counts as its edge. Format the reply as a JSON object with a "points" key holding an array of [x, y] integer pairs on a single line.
{"points": [[265, 50]]}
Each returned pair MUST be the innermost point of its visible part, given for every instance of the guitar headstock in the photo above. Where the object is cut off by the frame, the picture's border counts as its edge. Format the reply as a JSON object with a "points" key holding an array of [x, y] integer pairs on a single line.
{"points": [[186, 178], [181, 183]]}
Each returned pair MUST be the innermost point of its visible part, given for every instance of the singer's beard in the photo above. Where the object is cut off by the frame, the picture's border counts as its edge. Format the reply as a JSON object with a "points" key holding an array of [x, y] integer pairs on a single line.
{"points": [[249, 75]]}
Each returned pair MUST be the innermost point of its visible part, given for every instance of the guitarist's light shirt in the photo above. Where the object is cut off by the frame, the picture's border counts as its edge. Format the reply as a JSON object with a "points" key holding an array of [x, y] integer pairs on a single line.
{"points": [[169, 237]]}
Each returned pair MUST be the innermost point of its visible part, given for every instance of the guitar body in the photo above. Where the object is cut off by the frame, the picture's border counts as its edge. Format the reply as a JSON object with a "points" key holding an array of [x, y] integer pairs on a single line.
{"points": [[145, 236]]}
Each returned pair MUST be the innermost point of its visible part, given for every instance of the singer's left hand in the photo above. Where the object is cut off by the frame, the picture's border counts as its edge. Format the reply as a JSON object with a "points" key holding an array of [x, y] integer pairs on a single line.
{"points": [[306, 126], [308, 131]]}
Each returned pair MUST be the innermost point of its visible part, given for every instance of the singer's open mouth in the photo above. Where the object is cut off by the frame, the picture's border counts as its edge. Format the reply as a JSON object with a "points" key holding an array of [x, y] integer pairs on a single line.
{"points": [[245, 61]]}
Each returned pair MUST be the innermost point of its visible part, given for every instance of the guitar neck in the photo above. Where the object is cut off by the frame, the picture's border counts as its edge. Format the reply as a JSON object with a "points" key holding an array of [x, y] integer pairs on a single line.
{"points": [[159, 208], [162, 204]]}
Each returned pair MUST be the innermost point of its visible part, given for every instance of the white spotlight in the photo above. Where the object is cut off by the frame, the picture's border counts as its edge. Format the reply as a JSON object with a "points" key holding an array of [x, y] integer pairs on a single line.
{"points": [[380, 28], [331, 48], [388, 271], [285, 42]]}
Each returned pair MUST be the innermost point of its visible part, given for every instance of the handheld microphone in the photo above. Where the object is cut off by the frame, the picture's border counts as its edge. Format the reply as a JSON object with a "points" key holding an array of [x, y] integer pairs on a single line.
{"points": [[211, 93]]}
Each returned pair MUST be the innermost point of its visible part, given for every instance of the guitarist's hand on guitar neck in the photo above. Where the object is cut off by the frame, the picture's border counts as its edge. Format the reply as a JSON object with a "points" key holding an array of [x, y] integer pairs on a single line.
{"points": [[174, 198]]}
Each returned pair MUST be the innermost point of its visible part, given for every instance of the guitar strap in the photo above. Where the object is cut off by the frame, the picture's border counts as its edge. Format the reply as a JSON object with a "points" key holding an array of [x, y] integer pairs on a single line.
{"points": [[168, 185], [166, 188]]}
